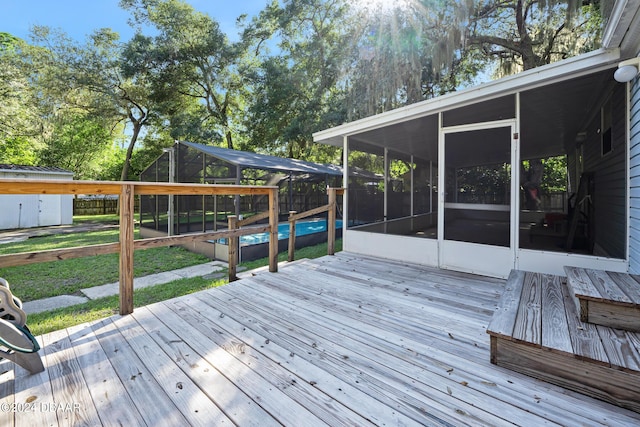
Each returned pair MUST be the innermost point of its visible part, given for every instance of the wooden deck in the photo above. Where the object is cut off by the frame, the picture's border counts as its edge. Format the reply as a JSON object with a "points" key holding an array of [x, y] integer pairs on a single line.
{"points": [[606, 298], [342, 340], [537, 331]]}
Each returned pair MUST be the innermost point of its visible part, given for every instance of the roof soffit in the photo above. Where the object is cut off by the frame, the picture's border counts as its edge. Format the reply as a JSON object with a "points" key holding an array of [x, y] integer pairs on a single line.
{"points": [[552, 73]]}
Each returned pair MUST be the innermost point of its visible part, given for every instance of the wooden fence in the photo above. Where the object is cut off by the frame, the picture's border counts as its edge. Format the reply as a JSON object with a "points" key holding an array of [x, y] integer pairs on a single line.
{"points": [[235, 223], [126, 245], [330, 208], [101, 206]]}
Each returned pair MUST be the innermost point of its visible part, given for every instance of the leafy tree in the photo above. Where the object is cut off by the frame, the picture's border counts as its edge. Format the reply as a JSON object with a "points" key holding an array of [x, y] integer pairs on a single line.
{"points": [[130, 88], [195, 59], [522, 34], [298, 91], [79, 142], [20, 121], [418, 49], [391, 61]]}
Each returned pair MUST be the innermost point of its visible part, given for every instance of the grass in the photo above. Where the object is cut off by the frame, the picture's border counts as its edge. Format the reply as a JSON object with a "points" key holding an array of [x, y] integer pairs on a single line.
{"points": [[60, 241], [107, 218], [42, 323], [66, 277]]}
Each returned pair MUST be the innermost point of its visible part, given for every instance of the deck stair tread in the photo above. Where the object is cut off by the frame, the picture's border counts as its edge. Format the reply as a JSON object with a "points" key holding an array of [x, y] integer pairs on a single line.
{"points": [[606, 298], [537, 330], [598, 285]]}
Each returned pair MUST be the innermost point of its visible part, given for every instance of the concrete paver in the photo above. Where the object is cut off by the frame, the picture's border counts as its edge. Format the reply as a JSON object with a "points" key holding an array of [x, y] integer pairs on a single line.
{"points": [[52, 303], [110, 289]]}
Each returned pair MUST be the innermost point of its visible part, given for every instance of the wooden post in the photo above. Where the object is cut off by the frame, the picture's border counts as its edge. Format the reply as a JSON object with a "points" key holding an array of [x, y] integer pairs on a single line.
{"points": [[292, 236], [126, 248], [331, 222], [233, 248], [273, 234]]}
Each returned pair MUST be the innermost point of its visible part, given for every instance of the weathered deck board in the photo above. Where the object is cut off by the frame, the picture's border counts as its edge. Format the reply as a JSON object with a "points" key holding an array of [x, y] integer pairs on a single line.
{"points": [[197, 408], [34, 386], [555, 327], [529, 318], [114, 404], [594, 360], [470, 372], [247, 377], [467, 370], [619, 348], [377, 372], [239, 407], [153, 403], [413, 354], [584, 336], [608, 288], [67, 382], [464, 299], [503, 324], [606, 298], [372, 344], [7, 396], [388, 305], [628, 284]]}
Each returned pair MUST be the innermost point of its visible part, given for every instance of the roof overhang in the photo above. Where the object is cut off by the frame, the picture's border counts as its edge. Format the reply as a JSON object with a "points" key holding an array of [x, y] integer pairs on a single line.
{"points": [[623, 28], [557, 72]]}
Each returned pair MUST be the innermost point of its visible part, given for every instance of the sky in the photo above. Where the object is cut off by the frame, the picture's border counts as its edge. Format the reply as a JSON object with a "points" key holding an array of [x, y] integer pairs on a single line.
{"points": [[79, 18]]}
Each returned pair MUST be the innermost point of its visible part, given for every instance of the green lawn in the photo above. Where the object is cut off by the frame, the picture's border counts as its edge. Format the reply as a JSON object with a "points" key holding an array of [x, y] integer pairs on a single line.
{"points": [[106, 218], [67, 277]]}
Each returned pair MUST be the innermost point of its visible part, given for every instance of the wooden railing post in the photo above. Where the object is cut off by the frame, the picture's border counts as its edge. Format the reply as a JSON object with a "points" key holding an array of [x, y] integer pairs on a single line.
{"points": [[331, 222], [233, 248], [127, 209], [292, 236], [273, 234]]}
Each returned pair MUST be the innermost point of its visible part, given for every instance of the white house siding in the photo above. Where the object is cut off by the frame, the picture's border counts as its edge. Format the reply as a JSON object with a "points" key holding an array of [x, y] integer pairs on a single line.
{"points": [[33, 210], [634, 172]]}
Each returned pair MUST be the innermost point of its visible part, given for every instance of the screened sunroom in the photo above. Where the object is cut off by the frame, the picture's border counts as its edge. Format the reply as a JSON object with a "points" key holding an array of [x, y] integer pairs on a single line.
{"points": [[526, 172]]}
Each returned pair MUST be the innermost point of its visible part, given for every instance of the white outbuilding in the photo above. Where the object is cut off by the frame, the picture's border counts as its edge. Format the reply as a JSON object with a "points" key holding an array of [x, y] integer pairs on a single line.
{"points": [[34, 210]]}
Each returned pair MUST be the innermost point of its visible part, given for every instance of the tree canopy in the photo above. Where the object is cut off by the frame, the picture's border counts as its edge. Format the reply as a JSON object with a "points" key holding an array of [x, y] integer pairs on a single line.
{"points": [[104, 106]]}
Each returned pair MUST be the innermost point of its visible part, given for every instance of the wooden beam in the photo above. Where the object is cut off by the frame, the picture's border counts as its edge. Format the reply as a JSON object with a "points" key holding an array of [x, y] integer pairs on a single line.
{"points": [[200, 189], [253, 219], [292, 236], [25, 258], [155, 242], [309, 213], [33, 186], [331, 222], [233, 248], [126, 248], [273, 234]]}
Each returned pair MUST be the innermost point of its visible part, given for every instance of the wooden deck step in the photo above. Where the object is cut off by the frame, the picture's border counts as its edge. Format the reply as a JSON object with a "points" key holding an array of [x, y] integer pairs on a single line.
{"points": [[606, 298], [536, 330]]}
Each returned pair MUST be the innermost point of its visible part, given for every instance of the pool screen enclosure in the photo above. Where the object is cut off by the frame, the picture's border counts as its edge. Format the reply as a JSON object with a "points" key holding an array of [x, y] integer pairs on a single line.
{"points": [[302, 186]]}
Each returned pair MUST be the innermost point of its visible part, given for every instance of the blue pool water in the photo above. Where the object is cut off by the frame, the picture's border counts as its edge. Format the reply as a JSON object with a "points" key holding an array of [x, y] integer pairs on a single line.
{"points": [[302, 228]]}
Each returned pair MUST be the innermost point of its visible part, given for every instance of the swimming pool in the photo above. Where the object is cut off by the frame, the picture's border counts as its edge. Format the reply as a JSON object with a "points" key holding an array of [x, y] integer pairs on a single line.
{"points": [[302, 228]]}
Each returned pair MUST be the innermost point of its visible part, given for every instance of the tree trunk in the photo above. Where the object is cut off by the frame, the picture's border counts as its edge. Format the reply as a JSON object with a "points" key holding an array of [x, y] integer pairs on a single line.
{"points": [[137, 126], [229, 139], [529, 59]]}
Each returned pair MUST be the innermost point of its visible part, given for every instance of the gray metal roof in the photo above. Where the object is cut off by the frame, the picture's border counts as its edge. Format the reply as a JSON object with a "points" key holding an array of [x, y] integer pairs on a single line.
{"points": [[33, 169], [245, 159]]}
